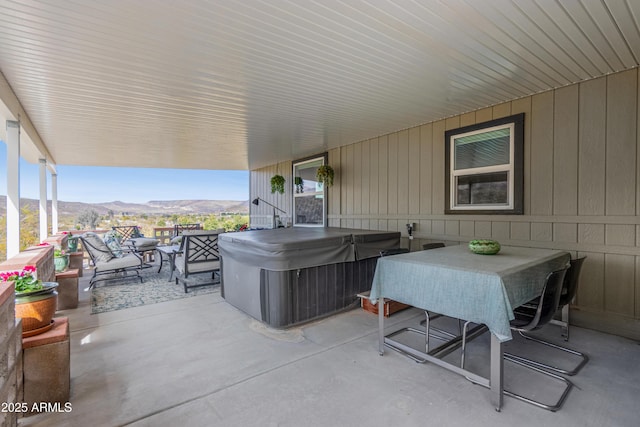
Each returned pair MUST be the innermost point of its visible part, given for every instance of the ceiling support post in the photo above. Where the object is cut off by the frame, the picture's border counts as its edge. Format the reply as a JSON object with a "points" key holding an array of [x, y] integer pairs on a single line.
{"points": [[54, 204], [43, 200], [13, 188]]}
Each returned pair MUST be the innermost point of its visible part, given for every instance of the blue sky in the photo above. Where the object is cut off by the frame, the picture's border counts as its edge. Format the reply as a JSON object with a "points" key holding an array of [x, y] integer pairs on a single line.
{"points": [[102, 184]]}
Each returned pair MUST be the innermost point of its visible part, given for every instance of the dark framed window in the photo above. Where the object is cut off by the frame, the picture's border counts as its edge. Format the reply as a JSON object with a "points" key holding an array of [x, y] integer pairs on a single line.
{"points": [[484, 167], [309, 195]]}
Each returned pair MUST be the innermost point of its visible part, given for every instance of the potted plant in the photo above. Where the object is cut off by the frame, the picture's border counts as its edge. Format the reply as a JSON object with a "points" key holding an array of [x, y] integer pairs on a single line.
{"points": [[299, 182], [60, 259], [36, 301], [72, 241], [277, 184], [325, 175]]}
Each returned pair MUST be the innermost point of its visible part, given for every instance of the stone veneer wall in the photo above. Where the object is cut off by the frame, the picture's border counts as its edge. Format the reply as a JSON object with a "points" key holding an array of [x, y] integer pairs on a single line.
{"points": [[11, 369], [10, 355]]}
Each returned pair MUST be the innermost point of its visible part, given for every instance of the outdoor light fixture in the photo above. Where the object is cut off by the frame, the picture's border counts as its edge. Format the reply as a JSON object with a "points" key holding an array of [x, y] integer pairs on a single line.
{"points": [[257, 201]]}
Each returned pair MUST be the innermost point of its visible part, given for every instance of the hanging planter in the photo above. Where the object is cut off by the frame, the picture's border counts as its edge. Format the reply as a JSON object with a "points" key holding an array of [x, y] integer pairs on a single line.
{"points": [[277, 184], [325, 175], [299, 182]]}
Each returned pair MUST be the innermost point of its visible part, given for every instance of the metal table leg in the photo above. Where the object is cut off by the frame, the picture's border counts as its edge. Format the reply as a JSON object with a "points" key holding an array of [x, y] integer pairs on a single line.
{"points": [[494, 382], [497, 373], [172, 263], [381, 326], [159, 256]]}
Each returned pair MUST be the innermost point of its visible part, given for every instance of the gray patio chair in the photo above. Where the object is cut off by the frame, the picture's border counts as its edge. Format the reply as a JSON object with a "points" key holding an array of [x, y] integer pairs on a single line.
{"points": [[531, 320], [198, 254], [569, 289], [108, 265], [178, 229], [130, 236]]}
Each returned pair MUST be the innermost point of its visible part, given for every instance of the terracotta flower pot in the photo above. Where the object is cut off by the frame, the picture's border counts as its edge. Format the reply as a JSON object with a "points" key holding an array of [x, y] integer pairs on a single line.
{"points": [[36, 312]]}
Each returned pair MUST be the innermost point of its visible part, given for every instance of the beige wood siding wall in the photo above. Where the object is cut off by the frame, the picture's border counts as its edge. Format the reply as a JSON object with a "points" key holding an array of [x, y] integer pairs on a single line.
{"points": [[260, 186], [582, 192]]}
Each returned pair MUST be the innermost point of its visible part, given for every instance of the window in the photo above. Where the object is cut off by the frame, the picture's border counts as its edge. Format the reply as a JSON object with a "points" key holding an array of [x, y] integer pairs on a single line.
{"points": [[484, 167], [309, 201]]}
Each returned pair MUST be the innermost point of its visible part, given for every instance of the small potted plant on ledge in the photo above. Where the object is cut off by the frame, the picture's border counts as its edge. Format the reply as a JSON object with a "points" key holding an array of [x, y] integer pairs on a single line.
{"points": [[60, 259], [277, 184], [325, 175], [72, 242], [36, 301]]}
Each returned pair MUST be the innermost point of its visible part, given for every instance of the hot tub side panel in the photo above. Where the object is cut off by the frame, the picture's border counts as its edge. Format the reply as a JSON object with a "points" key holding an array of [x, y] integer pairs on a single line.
{"points": [[297, 296], [239, 286]]}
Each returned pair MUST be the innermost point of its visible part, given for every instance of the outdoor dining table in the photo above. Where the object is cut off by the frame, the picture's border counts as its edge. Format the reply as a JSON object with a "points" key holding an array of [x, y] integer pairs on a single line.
{"points": [[455, 282]]}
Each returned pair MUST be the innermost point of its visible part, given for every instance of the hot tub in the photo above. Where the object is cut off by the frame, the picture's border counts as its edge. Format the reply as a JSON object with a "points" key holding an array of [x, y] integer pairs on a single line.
{"points": [[288, 276]]}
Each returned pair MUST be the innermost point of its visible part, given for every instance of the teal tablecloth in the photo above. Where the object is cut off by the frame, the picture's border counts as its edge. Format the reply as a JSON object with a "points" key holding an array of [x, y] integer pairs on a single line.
{"points": [[457, 283]]}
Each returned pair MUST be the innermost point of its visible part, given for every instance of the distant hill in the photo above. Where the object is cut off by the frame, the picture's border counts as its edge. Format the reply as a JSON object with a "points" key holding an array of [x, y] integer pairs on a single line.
{"points": [[150, 208]]}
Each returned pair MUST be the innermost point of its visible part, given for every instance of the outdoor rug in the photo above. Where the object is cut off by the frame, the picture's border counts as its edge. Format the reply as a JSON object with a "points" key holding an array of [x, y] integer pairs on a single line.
{"points": [[155, 288]]}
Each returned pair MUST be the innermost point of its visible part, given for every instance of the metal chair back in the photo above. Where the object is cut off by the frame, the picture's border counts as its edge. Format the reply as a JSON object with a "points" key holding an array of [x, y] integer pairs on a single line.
{"points": [[436, 245], [570, 284], [178, 229], [127, 232]]}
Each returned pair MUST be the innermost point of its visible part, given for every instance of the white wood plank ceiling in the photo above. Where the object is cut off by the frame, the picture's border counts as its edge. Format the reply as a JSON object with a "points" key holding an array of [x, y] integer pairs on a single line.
{"points": [[242, 84]]}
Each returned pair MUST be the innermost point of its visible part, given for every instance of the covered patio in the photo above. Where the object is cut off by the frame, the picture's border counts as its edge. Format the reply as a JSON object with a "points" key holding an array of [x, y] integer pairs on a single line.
{"points": [[202, 362], [373, 89]]}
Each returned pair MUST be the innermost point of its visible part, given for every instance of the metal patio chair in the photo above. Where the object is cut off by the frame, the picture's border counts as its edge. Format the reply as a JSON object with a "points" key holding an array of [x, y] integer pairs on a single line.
{"points": [[178, 229], [569, 289], [536, 318], [108, 266], [131, 237], [198, 254]]}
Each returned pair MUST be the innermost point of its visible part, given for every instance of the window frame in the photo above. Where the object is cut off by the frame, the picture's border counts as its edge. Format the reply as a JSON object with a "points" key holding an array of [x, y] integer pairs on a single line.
{"points": [[515, 168], [324, 157]]}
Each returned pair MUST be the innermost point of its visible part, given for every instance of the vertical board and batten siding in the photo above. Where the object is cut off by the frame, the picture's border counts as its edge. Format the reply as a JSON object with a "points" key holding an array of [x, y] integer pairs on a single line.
{"points": [[260, 186], [581, 189]]}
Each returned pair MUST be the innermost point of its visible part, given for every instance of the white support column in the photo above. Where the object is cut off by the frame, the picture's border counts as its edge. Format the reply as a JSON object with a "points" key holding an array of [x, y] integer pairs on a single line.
{"points": [[43, 200], [13, 188], [54, 204]]}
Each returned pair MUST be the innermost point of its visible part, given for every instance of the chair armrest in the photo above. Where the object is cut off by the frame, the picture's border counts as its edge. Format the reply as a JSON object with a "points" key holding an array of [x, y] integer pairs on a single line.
{"points": [[128, 249]]}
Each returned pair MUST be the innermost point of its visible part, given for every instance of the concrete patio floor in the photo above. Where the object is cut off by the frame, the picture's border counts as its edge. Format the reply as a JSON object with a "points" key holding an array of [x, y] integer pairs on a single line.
{"points": [[201, 362]]}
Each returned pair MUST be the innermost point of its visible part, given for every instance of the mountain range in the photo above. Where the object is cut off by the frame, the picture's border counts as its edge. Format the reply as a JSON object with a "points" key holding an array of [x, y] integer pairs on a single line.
{"points": [[153, 207]]}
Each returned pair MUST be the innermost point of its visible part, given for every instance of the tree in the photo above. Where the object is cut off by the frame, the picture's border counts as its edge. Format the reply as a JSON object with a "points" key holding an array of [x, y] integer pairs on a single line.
{"points": [[29, 230], [3, 238], [89, 219], [29, 227]]}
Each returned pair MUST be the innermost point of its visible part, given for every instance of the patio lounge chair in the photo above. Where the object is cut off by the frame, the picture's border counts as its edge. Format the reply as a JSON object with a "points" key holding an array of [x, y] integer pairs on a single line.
{"points": [[130, 235], [198, 254], [107, 264]]}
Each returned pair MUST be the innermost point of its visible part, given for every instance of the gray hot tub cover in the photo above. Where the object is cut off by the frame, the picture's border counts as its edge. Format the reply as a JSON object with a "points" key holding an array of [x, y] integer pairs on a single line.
{"points": [[294, 248]]}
